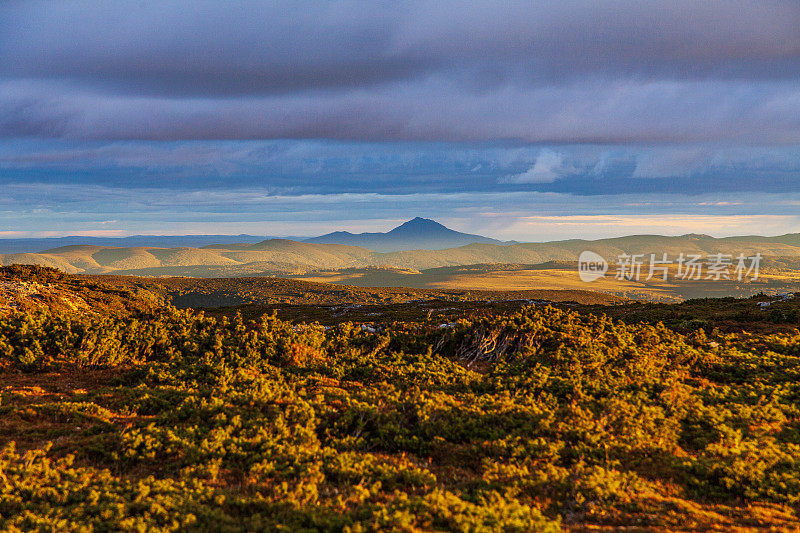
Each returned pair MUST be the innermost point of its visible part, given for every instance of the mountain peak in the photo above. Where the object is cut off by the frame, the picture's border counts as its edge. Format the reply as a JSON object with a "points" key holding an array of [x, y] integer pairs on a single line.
{"points": [[420, 224], [420, 220], [416, 234]]}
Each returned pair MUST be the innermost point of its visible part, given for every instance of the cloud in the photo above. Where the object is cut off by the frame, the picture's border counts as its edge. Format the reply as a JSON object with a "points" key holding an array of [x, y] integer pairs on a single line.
{"points": [[672, 162], [585, 71], [615, 225], [328, 167], [521, 215], [549, 167], [175, 114], [211, 48], [594, 112]]}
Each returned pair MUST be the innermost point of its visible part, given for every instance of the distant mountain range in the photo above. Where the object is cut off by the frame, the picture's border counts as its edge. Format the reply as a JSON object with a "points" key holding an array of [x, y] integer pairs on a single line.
{"points": [[416, 234], [286, 257], [15, 246]]}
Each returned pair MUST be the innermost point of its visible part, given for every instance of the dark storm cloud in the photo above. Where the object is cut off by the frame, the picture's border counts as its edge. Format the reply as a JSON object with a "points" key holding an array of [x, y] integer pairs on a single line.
{"points": [[202, 48], [571, 71], [597, 112], [223, 49]]}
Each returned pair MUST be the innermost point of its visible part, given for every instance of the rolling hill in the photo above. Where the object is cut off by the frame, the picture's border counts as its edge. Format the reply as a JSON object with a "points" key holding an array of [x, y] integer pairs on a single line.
{"points": [[287, 257]]}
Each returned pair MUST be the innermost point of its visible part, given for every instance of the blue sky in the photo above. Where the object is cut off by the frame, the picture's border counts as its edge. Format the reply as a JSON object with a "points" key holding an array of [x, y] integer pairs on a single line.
{"points": [[529, 121]]}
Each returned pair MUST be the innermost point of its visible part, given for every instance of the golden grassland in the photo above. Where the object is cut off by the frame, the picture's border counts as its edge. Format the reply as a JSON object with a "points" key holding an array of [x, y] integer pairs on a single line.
{"points": [[201, 292], [560, 276], [329, 304]]}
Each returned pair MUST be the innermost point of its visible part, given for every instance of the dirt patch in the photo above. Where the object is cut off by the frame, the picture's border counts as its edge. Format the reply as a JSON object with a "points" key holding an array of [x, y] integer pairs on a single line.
{"points": [[63, 382]]}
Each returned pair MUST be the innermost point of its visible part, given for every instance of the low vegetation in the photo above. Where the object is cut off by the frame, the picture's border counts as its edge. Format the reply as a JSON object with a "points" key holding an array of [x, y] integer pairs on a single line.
{"points": [[330, 304], [140, 416]]}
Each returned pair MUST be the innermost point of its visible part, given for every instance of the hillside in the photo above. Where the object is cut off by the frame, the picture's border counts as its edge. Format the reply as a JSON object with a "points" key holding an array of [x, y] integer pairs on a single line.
{"points": [[138, 417], [25, 288]]}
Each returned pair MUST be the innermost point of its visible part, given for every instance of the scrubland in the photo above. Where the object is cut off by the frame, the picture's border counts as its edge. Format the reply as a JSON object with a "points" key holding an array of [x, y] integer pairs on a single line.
{"points": [[120, 411]]}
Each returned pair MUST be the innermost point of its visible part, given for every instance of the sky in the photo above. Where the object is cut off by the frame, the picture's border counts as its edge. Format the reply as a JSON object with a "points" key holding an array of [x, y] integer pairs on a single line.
{"points": [[527, 120]]}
